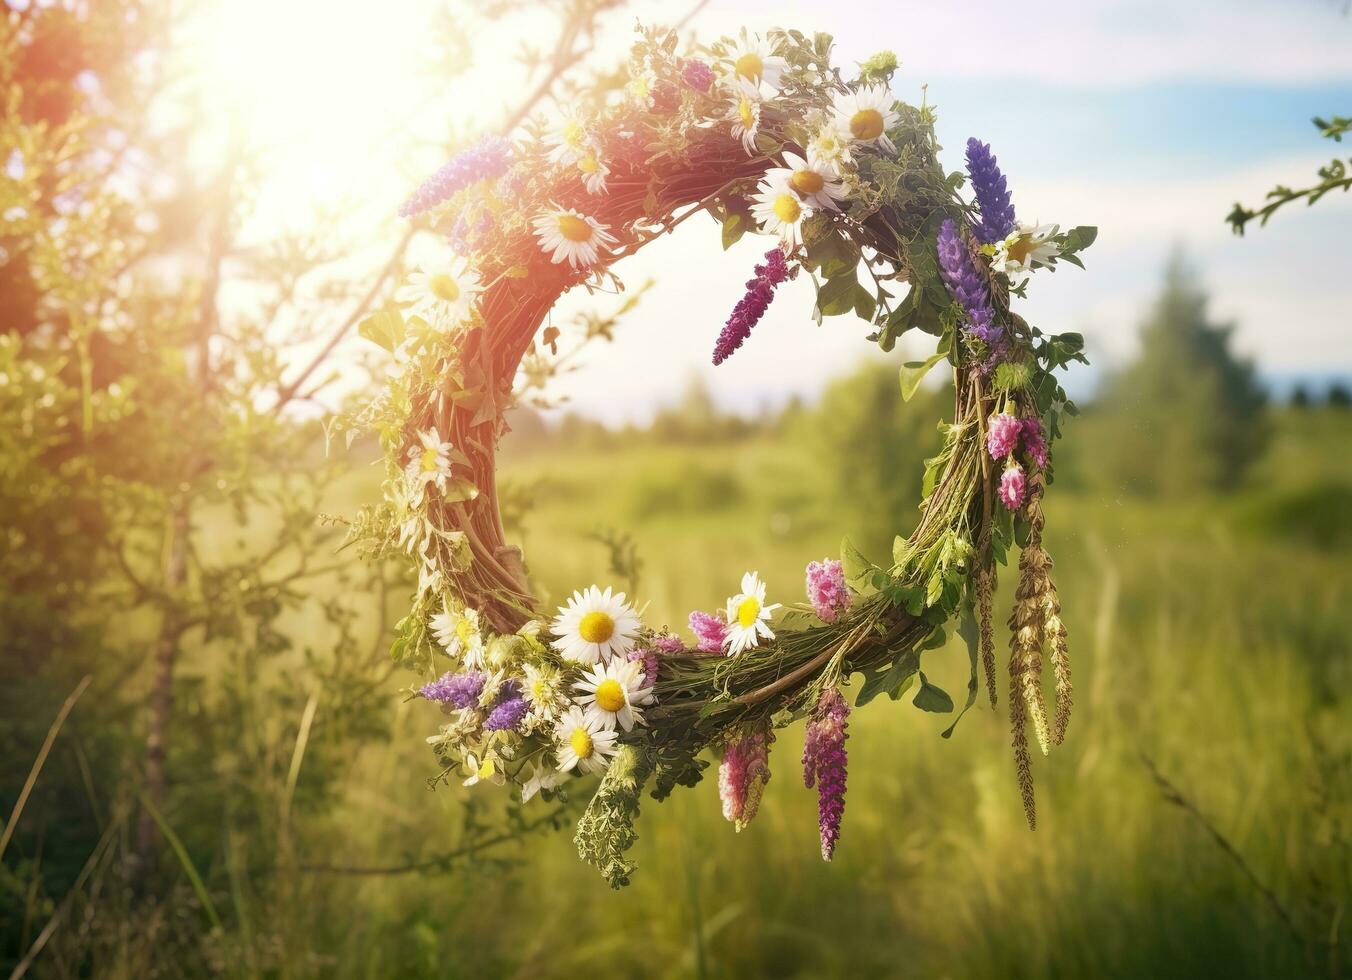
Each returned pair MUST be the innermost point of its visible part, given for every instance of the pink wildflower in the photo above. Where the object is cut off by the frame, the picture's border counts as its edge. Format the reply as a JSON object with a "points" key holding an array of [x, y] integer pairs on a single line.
{"points": [[742, 776], [825, 763], [826, 589], [697, 75], [1012, 486], [669, 643], [1002, 434], [646, 657], [710, 631], [1034, 442]]}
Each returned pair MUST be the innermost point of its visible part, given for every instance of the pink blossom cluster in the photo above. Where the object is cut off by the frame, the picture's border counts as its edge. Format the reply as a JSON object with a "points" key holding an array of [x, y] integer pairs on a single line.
{"points": [[825, 763], [742, 776], [826, 589], [710, 629]]}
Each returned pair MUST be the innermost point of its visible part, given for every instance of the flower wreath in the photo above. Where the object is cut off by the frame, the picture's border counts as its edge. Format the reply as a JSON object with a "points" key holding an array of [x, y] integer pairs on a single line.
{"points": [[766, 136]]}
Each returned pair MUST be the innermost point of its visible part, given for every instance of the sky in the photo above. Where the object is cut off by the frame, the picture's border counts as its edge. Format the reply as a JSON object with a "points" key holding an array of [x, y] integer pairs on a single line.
{"points": [[1148, 119]]}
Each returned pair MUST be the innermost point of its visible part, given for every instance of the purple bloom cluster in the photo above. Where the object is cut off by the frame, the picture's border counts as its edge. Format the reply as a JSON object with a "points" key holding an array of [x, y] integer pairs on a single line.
{"points": [[992, 196], [826, 589], [697, 75], [456, 690], [825, 763], [968, 287], [1034, 441], [742, 776], [710, 631], [508, 710], [646, 657], [751, 307], [485, 159]]}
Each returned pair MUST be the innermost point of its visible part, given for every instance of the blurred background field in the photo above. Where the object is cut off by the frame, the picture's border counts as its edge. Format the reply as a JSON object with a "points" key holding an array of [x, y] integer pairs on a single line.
{"points": [[193, 204]]}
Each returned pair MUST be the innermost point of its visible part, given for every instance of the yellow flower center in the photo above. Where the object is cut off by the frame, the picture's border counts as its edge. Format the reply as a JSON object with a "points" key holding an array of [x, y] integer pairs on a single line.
{"points": [[748, 611], [787, 208], [807, 181], [465, 631], [573, 134], [744, 110], [581, 742], [539, 692], [866, 124], [609, 695], [749, 66], [486, 770], [1019, 251], [596, 627], [429, 461], [444, 287], [589, 164], [574, 228]]}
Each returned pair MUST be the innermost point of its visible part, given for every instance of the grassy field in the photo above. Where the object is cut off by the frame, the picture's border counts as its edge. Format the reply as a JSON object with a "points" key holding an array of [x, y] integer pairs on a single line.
{"points": [[1210, 637]]}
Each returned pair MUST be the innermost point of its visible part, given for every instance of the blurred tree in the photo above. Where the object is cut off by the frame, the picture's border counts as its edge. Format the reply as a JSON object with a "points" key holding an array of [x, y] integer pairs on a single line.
{"points": [[874, 446], [1339, 396], [1188, 415], [1300, 397]]}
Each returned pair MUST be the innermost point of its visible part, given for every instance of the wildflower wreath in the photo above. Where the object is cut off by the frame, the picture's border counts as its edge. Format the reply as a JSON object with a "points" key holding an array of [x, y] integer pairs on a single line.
{"points": [[766, 136]]}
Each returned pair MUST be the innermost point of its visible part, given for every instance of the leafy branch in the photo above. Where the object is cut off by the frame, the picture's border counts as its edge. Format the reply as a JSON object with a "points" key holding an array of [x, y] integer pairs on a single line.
{"points": [[1334, 176]]}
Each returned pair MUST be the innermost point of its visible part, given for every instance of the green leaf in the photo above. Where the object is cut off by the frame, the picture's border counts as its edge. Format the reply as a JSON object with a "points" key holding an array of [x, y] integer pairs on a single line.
{"points": [[837, 296], [734, 227], [864, 304], [931, 698], [385, 328], [967, 629], [913, 372], [856, 567], [893, 680]]}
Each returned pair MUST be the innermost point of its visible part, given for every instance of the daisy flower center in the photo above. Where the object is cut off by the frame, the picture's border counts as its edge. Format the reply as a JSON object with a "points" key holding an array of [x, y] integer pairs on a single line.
{"points": [[573, 134], [589, 164], [574, 228], [444, 287], [749, 66], [748, 611], [539, 692], [807, 181], [1019, 251], [609, 695], [744, 110], [866, 124], [787, 208], [596, 627], [465, 631], [429, 461], [581, 743]]}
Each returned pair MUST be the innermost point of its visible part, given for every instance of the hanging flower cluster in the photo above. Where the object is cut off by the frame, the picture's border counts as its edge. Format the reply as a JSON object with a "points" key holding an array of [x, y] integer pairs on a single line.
{"points": [[765, 135]]}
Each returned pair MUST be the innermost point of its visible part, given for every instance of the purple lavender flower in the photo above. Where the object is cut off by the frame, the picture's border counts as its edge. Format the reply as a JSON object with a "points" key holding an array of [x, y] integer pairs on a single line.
{"points": [[1002, 434], [1012, 486], [1034, 441], [742, 776], [992, 196], [456, 690], [825, 763], [826, 589], [751, 307], [485, 159], [968, 287], [506, 715], [710, 631], [697, 75]]}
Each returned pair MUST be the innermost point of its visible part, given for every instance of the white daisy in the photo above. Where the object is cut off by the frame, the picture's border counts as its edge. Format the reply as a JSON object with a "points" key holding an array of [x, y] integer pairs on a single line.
{"points": [[442, 293], [429, 464], [594, 172], [458, 633], [595, 626], [543, 691], [573, 236], [830, 148], [583, 744], [812, 179], [864, 116], [1028, 247], [749, 616], [640, 88], [744, 112], [568, 140], [752, 58], [486, 771], [613, 693], [779, 211]]}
